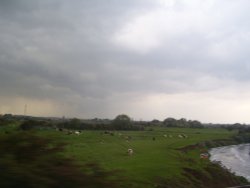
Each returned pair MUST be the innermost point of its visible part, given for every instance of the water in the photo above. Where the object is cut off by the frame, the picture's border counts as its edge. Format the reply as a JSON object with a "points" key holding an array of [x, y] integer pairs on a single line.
{"points": [[236, 158]]}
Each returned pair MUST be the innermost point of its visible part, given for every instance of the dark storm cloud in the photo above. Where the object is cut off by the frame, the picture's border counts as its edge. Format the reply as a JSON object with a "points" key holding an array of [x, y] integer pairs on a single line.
{"points": [[85, 52], [56, 44]]}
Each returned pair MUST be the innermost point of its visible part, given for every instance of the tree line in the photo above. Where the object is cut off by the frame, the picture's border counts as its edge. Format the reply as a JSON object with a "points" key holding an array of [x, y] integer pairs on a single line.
{"points": [[121, 122]]}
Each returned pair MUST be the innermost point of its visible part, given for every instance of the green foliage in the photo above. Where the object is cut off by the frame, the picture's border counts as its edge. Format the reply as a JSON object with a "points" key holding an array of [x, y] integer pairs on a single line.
{"points": [[28, 125], [122, 122], [6, 122], [35, 124], [31, 161], [75, 122], [171, 122]]}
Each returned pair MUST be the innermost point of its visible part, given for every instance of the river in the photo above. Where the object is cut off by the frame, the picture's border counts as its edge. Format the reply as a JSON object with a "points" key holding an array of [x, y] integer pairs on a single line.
{"points": [[236, 158]]}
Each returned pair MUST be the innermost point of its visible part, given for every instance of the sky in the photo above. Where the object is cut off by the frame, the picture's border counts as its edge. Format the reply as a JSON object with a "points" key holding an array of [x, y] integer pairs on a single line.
{"points": [[149, 59]]}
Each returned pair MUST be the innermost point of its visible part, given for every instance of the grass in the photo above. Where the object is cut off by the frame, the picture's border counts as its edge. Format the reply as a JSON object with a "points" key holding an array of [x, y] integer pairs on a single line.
{"points": [[154, 155], [157, 156]]}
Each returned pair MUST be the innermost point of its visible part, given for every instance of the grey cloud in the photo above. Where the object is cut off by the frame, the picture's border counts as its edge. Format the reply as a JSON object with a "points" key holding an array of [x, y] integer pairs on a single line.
{"points": [[64, 51]]}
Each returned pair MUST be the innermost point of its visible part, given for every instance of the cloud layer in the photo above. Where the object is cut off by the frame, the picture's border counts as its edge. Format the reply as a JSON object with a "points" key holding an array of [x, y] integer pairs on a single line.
{"points": [[146, 58]]}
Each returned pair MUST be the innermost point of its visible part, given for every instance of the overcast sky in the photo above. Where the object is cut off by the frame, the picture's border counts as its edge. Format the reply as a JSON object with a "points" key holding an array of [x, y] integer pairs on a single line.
{"points": [[149, 59]]}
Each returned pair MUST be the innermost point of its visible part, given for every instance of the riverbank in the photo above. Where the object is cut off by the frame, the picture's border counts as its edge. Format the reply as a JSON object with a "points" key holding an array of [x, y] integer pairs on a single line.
{"points": [[208, 174]]}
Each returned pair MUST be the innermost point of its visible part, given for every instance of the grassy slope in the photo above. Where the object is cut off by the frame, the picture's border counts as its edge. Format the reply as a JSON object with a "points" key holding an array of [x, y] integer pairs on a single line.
{"points": [[152, 158]]}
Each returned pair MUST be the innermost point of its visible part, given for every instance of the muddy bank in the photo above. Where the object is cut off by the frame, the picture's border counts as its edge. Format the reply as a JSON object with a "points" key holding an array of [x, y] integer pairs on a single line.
{"points": [[207, 175]]}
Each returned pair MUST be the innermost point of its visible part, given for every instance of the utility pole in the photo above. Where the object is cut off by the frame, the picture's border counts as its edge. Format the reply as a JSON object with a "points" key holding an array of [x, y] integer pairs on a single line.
{"points": [[25, 110]]}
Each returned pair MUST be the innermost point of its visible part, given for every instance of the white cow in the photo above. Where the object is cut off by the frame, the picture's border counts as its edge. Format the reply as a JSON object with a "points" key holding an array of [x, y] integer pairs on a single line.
{"points": [[130, 151], [77, 132], [180, 136]]}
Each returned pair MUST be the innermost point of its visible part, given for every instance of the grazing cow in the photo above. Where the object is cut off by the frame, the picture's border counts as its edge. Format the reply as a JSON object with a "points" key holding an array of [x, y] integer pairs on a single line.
{"points": [[130, 151], [77, 132], [185, 136], [165, 135], [180, 136]]}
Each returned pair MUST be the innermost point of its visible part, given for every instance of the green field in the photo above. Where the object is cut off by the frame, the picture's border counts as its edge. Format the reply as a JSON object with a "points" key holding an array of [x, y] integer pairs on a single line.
{"points": [[155, 155]]}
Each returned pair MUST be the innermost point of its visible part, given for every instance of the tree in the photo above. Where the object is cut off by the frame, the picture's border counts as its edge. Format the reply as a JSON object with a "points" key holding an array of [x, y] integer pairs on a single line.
{"points": [[195, 124], [74, 123], [122, 122], [170, 122], [32, 124], [155, 122], [28, 125], [182, 122]]}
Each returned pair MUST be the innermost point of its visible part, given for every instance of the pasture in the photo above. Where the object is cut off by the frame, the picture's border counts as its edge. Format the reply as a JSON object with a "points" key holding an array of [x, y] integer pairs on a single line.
{"points": [[156, 153]]}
